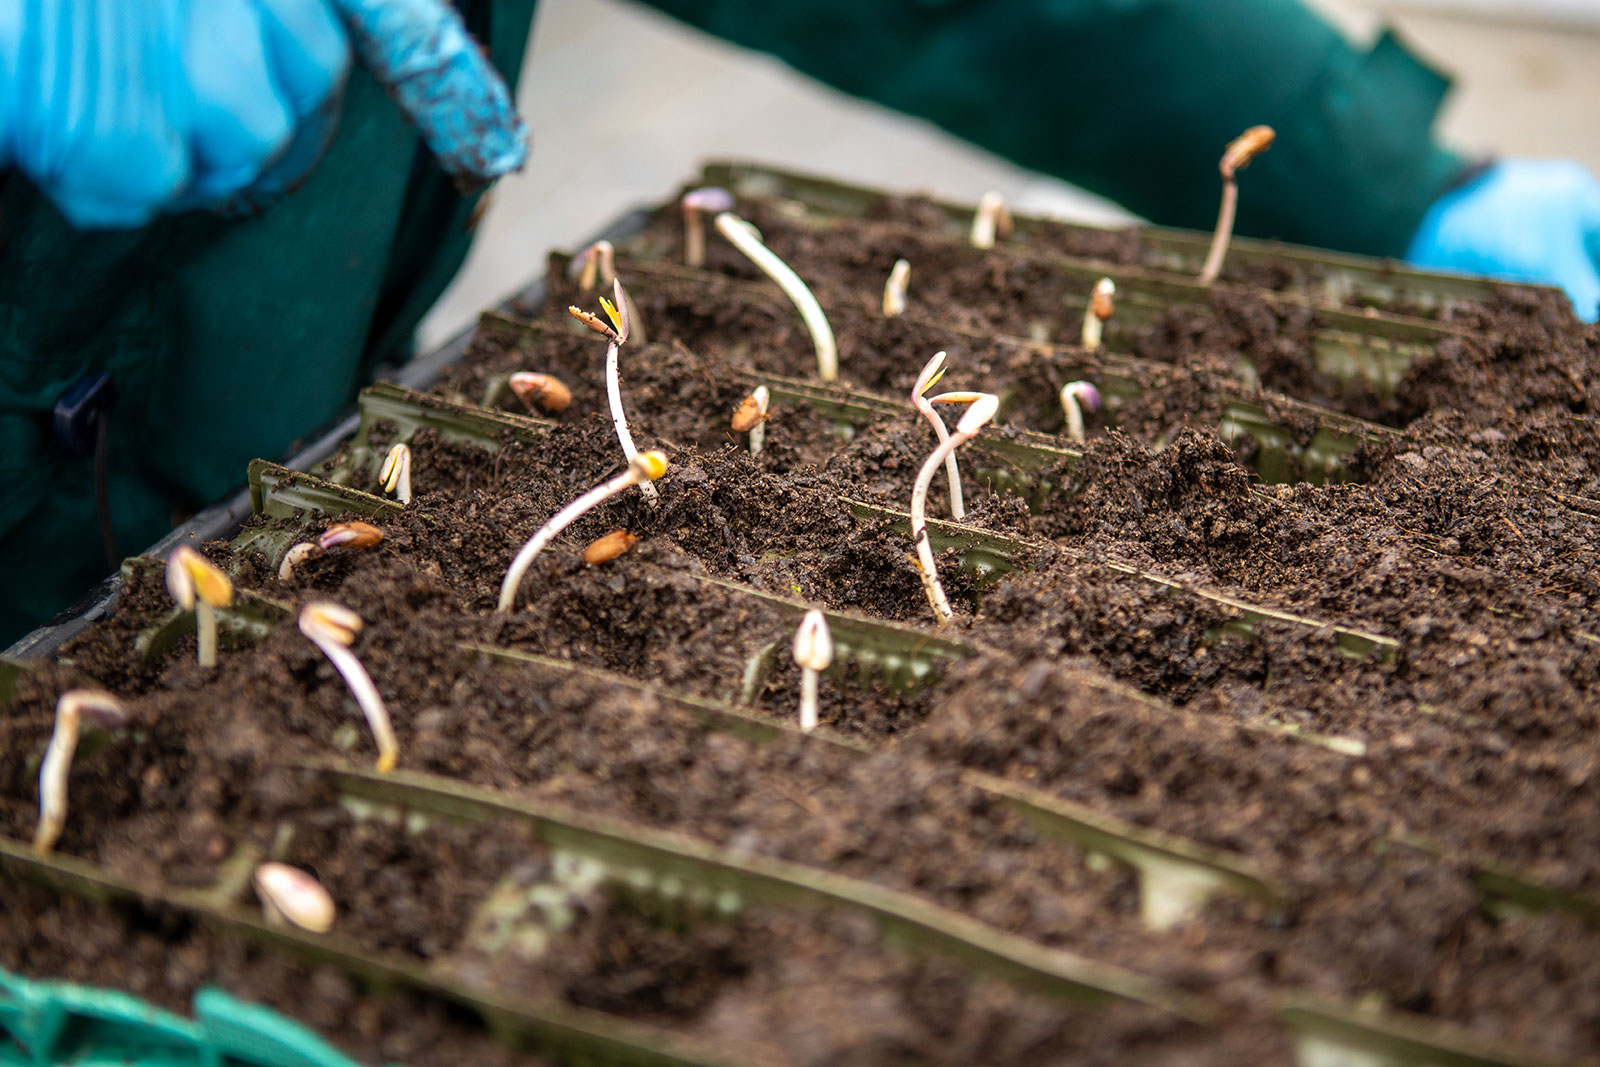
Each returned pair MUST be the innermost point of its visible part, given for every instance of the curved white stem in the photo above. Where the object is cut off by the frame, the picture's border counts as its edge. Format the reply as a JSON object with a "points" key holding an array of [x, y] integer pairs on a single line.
{"points": [[355, 676], [620, 421], [926, 568], [53, 779], [1224, 232], [1069, 403], [742, 236], [558, 522], [958, 504]]}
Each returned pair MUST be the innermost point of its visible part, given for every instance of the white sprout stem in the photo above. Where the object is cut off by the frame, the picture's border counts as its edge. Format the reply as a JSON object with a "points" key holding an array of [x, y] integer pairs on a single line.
{"points": [[694, 239], [758, 438], [53, 779], [1092, 330], [1074, 410], [205, 622], [742, 236], [894, 290], [958, 503], [1224, 232], [558, 522], [620, 421], [355, 676], [990, 218], [930, 374], [919, 526], [808, 699]]}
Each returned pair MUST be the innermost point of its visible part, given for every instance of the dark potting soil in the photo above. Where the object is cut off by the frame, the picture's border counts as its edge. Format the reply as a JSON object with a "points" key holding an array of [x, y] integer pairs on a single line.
{"points": [[1470, 743]]}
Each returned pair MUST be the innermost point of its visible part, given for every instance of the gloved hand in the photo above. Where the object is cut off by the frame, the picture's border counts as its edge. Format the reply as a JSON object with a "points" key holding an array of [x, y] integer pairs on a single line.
{"points": [[121, 109], [1533, 220]]}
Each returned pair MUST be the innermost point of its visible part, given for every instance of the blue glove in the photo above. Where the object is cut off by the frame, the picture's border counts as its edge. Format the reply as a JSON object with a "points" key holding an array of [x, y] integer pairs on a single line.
{"points": [[121, 109], [1532, 220]]}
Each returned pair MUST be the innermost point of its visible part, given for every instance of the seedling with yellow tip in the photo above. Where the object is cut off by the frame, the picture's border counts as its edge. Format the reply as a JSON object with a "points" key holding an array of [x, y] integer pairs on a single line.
{"points": [[643, 468], [982, 408], [544, 391], [696, 204], [395, 474], [746, 239], [894, 290], [751, 417], [102, 709], [932, 371], [813, 653], [197, 585], [339, 536], [290, 895], [333, 629], [991, 219], [1101, 306], [1240, 151], [1076, 397], [618, 336]]}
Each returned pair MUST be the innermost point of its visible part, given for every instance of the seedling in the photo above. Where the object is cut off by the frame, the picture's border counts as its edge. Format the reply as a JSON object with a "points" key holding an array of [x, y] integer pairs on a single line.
{"points": [[198, 586], [991, 220], [333, 629], [644, 467], [102, 710], [1100, 308], [982, 409], [813, 652], [751, 417], [395, 474], [931, 373], [746, 239], [894, 290], [598, 263], [696, 204], [1240, 151], [607, 548], [1075, 398], [343, 535], [544, 391], [290, 895], [618, 314]]}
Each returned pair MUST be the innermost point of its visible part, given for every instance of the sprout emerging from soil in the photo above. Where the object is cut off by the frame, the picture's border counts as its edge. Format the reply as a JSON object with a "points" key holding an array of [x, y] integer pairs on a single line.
{"points": [[982, 409], [932, 371], [198, 586], [644, 467], [751, 418], [1076, 397], [696, 204], [544, 391], [1100, 308], [395, 474], [102, 710], [813, 652], [991, 220], [333, 629], [290, 895], [597, 263], [607, 548], [894, 290], [339, 536], [744, 237], [1240, 151], [618, 314]]}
